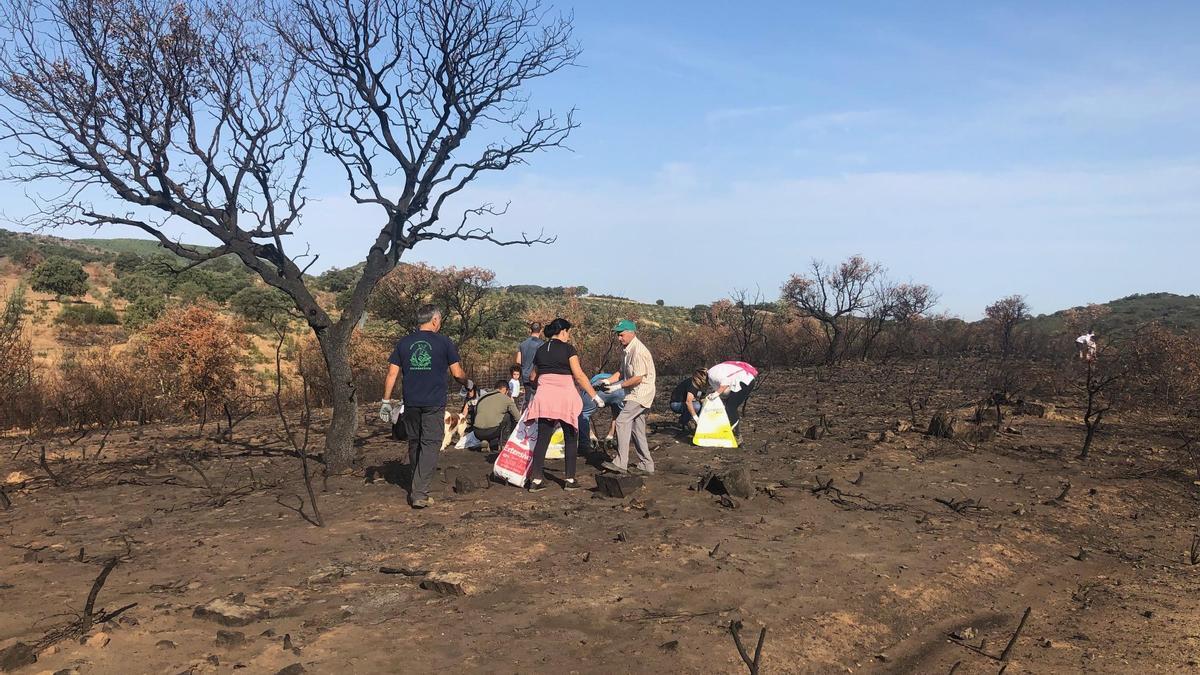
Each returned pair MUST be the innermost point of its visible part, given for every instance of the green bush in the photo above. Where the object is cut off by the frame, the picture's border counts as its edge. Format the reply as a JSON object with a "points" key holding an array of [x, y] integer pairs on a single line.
{"points": [[60, 277], [140, 283], [216, 286], [261, 303], [144, 310], [338, 280], [127, 262], [80, 315]]}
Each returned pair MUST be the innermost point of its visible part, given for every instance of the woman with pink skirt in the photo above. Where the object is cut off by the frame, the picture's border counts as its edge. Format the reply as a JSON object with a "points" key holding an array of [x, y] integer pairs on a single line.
{"points": [[557, 372]]}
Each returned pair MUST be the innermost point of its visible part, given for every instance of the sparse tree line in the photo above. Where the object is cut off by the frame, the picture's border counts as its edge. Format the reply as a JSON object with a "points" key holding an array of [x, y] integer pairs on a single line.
{"points": [[209, 114], [195, 361]]}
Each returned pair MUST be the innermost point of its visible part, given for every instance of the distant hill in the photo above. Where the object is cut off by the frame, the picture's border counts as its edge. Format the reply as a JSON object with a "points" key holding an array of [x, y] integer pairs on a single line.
{"points": [[15, 245], [142, 247], [1177, 312]]}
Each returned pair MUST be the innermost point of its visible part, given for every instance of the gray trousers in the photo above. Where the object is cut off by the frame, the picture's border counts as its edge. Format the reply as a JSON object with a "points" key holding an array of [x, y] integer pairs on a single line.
{"points": [[631, 425], [425, 427]]}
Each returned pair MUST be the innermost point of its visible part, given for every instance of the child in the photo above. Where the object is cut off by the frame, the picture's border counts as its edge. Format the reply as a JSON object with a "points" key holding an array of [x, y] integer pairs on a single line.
{"points": [[514, 382]]}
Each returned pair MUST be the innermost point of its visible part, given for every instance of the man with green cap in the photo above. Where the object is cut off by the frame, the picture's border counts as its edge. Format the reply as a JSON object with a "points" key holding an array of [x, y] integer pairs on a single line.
{"points": [[637, 379]]}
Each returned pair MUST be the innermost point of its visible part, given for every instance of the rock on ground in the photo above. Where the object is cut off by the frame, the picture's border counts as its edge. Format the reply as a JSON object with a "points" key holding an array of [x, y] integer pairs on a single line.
{"points": [[228, 612]]}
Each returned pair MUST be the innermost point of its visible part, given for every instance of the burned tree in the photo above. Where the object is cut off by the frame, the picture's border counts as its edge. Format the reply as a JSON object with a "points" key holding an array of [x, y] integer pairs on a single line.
{"points": [[1102, 378], [835, 297], [203, 114], [1004, 315], [16, 354], [741, 318], [897, 306]]}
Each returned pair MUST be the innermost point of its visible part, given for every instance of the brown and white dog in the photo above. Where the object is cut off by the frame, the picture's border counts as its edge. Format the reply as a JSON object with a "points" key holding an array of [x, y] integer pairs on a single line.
{"points": [[455, 423]]}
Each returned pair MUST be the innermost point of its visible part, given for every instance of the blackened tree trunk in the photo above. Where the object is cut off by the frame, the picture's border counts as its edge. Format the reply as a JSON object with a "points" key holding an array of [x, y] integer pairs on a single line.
{"points": [[339, 438]]}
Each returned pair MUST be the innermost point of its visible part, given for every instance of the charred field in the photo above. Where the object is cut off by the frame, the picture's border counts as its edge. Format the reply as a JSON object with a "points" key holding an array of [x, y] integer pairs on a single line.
{"points": [[872, 547]]}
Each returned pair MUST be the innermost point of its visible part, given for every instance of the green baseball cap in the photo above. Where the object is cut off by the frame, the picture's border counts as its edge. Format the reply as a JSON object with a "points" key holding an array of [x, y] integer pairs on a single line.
{"points": [[624, 325]]}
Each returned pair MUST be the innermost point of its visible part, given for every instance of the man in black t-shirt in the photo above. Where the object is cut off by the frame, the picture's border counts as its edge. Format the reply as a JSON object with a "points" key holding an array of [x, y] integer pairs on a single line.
{"points": [[423, 357], [685, 399]]}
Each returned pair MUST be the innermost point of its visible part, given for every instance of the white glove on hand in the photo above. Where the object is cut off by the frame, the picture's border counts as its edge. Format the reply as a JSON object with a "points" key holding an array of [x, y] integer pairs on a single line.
{"points": [[385, 411], [598, 401], [713, 396]]}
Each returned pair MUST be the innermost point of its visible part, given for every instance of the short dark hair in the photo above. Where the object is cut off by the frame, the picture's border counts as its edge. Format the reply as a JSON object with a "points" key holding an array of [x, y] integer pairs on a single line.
{"points": [[502, 385], [425, 314], [557, 326], [535, 326], [514, 368]]}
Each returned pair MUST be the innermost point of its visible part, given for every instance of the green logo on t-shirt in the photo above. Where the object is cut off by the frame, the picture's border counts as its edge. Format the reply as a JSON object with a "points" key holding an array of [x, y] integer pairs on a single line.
{"points": [[421, 357]]}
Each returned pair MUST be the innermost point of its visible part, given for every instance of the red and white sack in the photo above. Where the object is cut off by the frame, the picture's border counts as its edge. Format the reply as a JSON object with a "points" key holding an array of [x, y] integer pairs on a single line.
{"points": [[512, 465]]}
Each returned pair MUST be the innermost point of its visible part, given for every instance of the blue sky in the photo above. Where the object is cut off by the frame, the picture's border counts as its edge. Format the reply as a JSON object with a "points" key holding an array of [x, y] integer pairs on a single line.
{"points": [[1047, 149]]}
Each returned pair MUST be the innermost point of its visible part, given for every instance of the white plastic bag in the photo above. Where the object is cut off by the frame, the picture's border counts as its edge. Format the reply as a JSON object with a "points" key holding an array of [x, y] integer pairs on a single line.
{"points": [[515, 458], [713, 429], [468, 441]]}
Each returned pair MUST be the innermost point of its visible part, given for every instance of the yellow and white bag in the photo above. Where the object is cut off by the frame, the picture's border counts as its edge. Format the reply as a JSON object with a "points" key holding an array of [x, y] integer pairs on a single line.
{"points": [[713, 429], [558, 445]]}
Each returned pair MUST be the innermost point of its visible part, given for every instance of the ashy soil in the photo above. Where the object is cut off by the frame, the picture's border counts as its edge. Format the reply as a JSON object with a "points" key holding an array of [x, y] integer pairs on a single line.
{"points": [[921, 556]]}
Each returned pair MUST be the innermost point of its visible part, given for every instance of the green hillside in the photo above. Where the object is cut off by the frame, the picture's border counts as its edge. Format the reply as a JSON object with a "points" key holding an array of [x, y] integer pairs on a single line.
{"points": [[1178, 312], [142, 247]]}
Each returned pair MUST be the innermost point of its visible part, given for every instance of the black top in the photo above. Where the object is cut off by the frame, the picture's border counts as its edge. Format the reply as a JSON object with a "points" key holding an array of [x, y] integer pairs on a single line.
{"points": [[682, 389], [554, 358], [424, 357]]}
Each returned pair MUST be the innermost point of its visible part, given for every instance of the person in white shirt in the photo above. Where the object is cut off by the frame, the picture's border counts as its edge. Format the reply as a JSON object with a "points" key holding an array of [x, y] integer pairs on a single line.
{"points": [[732, 381], [514, 382], [1087, 346]]}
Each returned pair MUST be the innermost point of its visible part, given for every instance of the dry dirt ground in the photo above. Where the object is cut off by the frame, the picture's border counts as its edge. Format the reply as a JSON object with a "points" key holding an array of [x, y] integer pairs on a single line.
{"points": [[870, 577]]}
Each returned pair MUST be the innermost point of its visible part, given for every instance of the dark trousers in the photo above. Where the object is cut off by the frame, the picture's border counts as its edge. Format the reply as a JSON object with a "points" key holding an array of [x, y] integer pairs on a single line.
{"points": [[425, 427], [529, 389], [545, 429], [734, 402], [496, 436]]}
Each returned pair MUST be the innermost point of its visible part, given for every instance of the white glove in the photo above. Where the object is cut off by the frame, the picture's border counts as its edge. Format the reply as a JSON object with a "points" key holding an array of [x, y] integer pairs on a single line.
{"points": [[713, 396], [598, 401], [385, 411]]}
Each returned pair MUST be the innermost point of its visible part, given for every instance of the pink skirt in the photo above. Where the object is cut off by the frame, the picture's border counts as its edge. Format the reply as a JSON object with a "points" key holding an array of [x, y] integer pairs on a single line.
{"points": [[556, 399]]}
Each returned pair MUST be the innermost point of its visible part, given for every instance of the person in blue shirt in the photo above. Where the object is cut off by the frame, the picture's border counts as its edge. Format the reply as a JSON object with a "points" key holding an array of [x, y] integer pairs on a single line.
{"points": [[525, 355], [614, 400], [423, 357]]}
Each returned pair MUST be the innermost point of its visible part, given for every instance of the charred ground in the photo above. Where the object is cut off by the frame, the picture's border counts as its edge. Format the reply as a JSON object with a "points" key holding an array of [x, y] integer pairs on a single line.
{"points": [[921, 553]]}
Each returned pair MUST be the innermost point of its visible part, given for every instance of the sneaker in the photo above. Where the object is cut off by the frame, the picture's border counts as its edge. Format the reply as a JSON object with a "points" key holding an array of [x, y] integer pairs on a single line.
{"points": [[609, 466], [422, 503], [639, 471], [571, 484], [537, 485]]}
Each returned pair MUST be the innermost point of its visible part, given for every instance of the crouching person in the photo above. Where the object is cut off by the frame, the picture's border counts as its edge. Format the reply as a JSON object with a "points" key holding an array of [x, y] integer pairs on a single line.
{"points": [[685, 399], [496, 415]]}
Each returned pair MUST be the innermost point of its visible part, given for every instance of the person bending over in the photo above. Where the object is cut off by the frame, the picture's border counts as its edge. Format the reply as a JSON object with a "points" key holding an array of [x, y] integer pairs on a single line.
{"points": [[732, 381]]}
